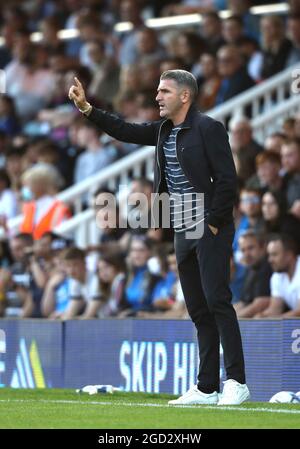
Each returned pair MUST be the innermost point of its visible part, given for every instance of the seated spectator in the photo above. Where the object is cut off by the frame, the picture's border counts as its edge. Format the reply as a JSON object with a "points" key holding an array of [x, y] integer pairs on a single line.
{"points": [[285, 281], [276, 217], [290, 159], [8, 200], [189, 48], [275, 46], [113, 235], [172, 304], [233, 30], [267, 177], [288, 128], [211, 30], [83, 286], [42, 212], [16, 282], [294, 35], [274, 142], [14, 168], [235, 78], [111, 277], [244, 147], [96, 156], [9, 122], [210, 82], [255, 294], [252, 55], [29, 85], [140, 283], [105, 72], [163, 295], [56, 298]]}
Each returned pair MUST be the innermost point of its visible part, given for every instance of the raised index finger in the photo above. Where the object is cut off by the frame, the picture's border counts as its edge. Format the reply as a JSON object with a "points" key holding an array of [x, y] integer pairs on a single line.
{"points": [[78, 83]]}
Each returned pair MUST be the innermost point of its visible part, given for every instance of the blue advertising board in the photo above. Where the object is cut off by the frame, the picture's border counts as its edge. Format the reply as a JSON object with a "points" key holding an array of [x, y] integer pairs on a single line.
{"points": [[31, 353], [158, 356]]}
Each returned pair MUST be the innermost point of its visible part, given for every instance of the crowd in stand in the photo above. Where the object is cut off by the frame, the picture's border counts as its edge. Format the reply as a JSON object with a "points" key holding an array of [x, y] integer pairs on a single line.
{"points": [[46, 145]]}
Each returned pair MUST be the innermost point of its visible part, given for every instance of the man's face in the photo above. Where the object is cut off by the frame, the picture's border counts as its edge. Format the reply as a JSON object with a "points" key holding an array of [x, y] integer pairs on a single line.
{"points": [[228, 62], [17, 249], [251, 250], [75, 268], [278, 257], [250, 204], [267, 172], [169, 98], [290, 158]]}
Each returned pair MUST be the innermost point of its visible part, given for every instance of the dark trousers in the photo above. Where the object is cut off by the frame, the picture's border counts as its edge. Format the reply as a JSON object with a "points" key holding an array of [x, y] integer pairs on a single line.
{"points": [[204, 272]]}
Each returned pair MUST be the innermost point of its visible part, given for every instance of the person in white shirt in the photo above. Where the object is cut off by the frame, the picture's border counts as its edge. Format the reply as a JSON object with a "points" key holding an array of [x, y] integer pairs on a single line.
{"points": [[84, 284], [8, 199], [285, 281]]}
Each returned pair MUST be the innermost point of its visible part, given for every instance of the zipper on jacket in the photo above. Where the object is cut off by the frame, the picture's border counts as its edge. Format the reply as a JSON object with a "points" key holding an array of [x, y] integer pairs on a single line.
{"points": [[157, 156]]}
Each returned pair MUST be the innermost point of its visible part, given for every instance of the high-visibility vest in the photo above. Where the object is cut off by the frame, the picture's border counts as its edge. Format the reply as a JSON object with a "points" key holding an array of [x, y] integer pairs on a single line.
{"points": [[54, 216]]}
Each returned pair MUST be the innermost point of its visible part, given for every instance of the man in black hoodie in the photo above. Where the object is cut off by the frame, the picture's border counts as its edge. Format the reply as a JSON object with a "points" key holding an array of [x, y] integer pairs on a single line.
{"points": [[193, 157]]}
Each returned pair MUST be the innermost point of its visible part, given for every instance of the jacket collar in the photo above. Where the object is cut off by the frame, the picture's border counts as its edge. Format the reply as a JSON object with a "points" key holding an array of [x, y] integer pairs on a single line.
{"points": [[188, 119]]}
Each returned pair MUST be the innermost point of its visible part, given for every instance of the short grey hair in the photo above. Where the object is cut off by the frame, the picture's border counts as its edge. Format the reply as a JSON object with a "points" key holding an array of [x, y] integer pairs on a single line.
{"points": [[184, 79]]}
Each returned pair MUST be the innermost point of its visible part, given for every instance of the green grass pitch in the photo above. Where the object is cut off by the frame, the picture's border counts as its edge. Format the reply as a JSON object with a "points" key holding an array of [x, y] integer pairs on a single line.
{"points": [[53, 408]]}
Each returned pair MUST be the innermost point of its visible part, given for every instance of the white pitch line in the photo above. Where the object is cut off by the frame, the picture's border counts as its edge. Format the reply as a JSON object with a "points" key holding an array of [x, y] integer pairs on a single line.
{"points": [[151, 404]]}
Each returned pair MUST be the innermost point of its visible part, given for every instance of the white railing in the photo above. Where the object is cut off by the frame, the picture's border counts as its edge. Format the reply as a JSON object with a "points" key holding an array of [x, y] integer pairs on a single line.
{"points": [[269, 105], [272, 120], [259, 99]]}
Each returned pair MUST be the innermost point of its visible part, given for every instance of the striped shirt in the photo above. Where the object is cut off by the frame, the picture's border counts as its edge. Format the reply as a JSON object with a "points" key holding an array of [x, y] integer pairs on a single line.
{"points": [[186, 206]]}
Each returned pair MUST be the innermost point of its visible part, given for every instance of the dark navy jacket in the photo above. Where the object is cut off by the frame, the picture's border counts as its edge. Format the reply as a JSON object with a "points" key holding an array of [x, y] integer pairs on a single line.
{"points": [[203, 152]]}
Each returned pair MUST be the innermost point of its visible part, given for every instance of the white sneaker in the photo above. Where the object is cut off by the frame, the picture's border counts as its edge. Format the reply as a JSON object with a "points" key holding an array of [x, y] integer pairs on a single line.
{"points": [[194, 396], [234, 393]]}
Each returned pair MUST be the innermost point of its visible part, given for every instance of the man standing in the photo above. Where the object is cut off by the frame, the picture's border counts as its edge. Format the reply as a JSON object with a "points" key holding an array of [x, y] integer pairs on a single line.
{"points": [[193, 156]]}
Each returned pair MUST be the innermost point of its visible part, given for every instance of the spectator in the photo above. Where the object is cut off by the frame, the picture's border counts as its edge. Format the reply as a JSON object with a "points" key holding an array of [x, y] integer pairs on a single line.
{"points": [[130, 11], [255, 294], [171, 63], [111, 276], [14, 167], [147, 44], [267, 177], [9, 122], [252, 55], [8, 199], [56, 297], [275, 46], [276, 217], [290, 158], [42, 212], [288, 128], [96, 156], [16, 282], [285, 281], [83, 287], [105, 72], [274, 142], [140, 283], [149, 66], [244, 147], [294, 34], [211, 30], [232, 30], [235, 78], [210, 82], [189, 48], [29, 85]]}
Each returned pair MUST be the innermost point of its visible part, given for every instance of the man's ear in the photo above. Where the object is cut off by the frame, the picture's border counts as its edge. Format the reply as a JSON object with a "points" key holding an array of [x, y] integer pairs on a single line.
{"points": [[185, 96]]}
